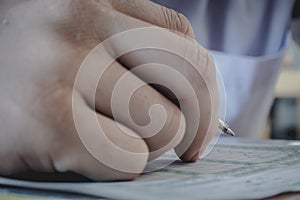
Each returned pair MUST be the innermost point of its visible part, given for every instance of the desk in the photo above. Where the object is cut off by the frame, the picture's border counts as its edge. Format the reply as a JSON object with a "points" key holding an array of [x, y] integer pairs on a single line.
{"points": [[20, 194]]}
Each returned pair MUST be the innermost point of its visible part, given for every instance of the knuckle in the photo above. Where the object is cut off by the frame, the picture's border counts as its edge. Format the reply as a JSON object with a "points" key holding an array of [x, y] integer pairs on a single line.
{"points": [[87, 18], [85, 11], [183, 24], [177, 21]]}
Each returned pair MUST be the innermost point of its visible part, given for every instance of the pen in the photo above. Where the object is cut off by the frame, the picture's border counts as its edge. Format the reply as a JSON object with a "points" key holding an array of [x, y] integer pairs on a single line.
{"points": [[222, 125], [225, 128]]}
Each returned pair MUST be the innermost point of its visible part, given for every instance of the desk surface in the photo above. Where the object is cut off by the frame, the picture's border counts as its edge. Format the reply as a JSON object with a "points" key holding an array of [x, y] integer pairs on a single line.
{"points": [[13, 193]]}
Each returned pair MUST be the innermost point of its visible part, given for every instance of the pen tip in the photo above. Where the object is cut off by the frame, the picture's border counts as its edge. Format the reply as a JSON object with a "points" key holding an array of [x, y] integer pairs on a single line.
{"points": [[230, 132], [225, 128]]}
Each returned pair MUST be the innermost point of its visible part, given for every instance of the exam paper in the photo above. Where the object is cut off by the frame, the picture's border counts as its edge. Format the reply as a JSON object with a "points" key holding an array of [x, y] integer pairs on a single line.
{"points": [[229, 171]]}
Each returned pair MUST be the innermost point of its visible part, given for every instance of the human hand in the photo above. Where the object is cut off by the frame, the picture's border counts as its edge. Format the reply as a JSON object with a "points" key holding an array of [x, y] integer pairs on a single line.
{"points": [[43, 44]]}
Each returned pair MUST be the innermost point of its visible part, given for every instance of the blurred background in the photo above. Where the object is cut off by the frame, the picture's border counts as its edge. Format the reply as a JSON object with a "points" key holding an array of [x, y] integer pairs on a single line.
{"points": [[284, 118]]}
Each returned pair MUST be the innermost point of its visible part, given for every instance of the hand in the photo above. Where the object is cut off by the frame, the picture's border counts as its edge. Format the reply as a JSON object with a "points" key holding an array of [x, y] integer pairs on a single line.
{"points": [[42, 45]]}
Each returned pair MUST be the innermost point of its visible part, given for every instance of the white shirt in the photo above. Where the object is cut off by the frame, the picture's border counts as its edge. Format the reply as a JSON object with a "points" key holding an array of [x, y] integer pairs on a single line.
{"points": [[247, 39]]}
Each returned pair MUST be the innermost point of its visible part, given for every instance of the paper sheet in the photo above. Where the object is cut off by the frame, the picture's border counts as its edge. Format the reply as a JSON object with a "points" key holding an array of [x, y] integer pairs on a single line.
{"points": [[229, 171]]}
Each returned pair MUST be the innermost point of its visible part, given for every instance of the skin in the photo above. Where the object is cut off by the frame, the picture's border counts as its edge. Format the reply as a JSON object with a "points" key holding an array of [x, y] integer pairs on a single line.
{"points": [[42, 45]]}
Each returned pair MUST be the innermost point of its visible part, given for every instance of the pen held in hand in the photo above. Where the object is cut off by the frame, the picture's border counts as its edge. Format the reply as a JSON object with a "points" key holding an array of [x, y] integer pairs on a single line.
{"points": [[225, 128]]}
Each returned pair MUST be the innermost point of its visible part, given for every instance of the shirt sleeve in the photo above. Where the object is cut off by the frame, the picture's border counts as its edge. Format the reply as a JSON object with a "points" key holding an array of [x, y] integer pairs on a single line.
{"points": [[247, 40]]}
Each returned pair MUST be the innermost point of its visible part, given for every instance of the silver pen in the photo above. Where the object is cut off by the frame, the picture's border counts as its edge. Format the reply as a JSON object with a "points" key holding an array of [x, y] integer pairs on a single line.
{"points": [[225, 128], [222, 125]]}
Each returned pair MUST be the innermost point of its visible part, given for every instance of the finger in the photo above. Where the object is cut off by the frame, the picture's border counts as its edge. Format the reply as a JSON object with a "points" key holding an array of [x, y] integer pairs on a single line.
{"points": [[119, 94], [206, 95], [155, 14], [98, 20], [194, 64], [105, 153]]}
